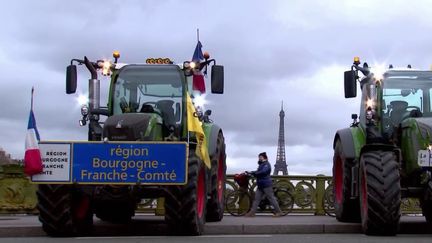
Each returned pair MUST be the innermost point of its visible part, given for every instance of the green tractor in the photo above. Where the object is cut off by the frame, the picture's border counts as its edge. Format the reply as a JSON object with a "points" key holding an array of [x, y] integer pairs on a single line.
{"points": [[148, 106], [385, 154]]}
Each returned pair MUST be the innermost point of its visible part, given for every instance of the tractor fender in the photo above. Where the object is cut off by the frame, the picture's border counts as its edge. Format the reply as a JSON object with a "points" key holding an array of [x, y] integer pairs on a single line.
{"points": [[212, 139], [347, 141], [212, 132]]}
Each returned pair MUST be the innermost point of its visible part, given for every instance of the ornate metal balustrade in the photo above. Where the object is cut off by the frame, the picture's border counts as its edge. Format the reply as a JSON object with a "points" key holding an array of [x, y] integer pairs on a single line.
{"points": [[17, 194], [312, 194]]}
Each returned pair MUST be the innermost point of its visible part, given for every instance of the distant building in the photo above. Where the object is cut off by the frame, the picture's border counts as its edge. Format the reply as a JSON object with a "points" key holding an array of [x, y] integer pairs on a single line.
{"points": [[5, 158]]}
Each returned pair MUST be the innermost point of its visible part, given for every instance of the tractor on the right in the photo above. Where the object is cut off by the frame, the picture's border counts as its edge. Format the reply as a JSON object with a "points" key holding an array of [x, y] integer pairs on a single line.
{"points": [[386, 153]]}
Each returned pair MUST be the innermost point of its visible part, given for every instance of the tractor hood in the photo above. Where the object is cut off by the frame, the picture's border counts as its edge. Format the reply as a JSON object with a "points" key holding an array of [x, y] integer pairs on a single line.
{"points": [[131, 126]]}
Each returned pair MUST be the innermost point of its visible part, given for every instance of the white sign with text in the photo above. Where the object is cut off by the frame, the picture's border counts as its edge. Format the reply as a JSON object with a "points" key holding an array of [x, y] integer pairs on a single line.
{"points": [[56, 159]]}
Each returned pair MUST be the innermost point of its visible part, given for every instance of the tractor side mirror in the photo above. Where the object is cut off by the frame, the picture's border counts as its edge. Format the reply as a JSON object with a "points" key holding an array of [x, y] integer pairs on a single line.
{"points": [[71, 79], [350, 84], [217, 79]]}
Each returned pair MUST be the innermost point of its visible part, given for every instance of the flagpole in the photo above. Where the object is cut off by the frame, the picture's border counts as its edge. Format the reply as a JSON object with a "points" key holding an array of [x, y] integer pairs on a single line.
{"points": [[197, 34], [32, 91]]}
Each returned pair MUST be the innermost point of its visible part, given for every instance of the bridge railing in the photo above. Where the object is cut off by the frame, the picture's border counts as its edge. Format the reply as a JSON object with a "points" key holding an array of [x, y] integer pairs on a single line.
{"points": [[312, 194], [17, 194]]}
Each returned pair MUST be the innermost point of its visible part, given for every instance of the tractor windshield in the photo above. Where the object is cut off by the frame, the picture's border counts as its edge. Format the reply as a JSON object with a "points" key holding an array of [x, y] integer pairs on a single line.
{"points": [[149, 88], [405, 97]]}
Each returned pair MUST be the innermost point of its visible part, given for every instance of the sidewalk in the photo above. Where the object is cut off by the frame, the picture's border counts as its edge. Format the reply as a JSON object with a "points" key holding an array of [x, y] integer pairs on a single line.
{"points": [[26, 226]]}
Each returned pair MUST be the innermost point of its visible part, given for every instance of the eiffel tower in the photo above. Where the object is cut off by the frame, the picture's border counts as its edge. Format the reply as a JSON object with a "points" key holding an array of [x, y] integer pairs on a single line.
{"points": [[280, 165]]}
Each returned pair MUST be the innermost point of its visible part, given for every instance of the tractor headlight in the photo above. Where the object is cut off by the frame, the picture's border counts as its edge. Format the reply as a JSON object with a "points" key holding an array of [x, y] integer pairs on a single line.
{"points": [[106, 68], [84, 110], [378, 70], [370, 103], [82, 99], [193, 65], [200, 101], [186, 65], [371, 97]]}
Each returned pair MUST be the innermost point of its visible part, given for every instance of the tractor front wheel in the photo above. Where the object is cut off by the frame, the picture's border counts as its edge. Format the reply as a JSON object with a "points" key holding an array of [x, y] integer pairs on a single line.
{"points": [[185, 206], [64, 211], [216, 202], [426, 203], [380, 193]]}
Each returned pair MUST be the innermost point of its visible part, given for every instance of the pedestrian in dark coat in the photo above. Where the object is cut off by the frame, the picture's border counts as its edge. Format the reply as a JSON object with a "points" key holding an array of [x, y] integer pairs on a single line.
{"points": [[265, 186]]}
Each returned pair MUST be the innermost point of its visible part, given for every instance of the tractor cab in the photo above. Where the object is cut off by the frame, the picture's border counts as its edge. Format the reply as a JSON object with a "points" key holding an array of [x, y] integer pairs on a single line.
{"points": [[146, 101], [150, 95], [390, 97], [406, 94]]}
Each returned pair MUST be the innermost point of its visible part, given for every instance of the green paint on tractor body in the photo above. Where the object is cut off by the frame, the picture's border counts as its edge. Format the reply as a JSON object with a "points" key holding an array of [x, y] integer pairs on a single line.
{"points": [[359, 139]]}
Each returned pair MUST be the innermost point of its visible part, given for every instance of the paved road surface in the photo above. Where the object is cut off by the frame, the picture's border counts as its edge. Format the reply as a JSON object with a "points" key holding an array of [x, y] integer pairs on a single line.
{"points": [[303, 238], [145, 225]]}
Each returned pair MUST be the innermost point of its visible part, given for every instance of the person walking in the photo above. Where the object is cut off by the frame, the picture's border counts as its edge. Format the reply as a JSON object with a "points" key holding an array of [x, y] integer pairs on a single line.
{"points": [[265, 186]]}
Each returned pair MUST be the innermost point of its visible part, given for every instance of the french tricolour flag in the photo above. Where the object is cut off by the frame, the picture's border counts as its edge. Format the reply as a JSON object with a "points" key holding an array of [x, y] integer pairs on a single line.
{"points": [[198, 78], [32, 157]]}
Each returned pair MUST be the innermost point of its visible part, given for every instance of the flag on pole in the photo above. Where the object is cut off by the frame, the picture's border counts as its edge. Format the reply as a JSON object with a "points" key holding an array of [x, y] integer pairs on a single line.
{"points": [[32, 157], [194, 125], [198, 82]]}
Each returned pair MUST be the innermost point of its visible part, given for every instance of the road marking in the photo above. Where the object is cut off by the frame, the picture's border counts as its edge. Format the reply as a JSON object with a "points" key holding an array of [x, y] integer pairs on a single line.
{"points": [[234, 236], [119, 237], [162, 237]]}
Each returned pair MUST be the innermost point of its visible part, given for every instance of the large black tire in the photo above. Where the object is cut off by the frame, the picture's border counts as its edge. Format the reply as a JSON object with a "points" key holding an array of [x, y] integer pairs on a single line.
{"points": [[185, 206], [216, 202], [119, 206], [346, 209], [64, 211], [380, 193], [426, 203]]}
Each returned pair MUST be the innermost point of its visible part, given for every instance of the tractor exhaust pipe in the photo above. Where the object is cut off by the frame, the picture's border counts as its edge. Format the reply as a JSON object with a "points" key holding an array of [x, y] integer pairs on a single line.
{"points": [[94, 94], [95, 129], [94, 86]]}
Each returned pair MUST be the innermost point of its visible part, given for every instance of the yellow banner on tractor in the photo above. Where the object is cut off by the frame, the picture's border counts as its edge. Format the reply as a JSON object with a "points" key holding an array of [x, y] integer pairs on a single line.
{"points": [[194, 125]]}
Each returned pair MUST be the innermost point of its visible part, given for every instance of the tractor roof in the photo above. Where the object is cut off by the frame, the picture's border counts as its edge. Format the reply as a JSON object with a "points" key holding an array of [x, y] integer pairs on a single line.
{"points": [[408, 74], [120, 65]]}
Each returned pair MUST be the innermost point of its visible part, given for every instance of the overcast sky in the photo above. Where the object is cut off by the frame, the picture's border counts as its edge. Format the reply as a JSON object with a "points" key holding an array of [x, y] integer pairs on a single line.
{"points": [[295, 51]]}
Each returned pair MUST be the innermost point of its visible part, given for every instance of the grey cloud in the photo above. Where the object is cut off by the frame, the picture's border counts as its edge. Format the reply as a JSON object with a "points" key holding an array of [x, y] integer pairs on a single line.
{"points": [[265, 47]]}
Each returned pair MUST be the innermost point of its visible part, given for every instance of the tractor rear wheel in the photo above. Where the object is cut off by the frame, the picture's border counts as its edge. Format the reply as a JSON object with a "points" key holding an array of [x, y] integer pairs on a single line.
{"points": [[380, 193], [185, 206], [64, 211], [346, 209], [216, 202]]}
